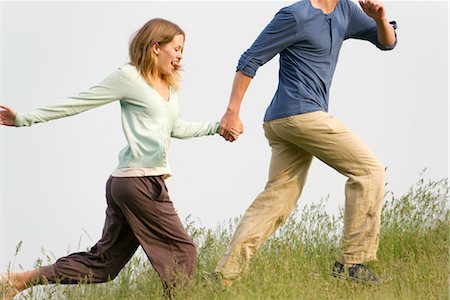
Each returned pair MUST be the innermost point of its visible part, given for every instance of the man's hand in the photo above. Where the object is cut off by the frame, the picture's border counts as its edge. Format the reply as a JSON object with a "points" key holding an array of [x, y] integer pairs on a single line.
{"points": [[374, 9], [7, 116], [231, 127]]}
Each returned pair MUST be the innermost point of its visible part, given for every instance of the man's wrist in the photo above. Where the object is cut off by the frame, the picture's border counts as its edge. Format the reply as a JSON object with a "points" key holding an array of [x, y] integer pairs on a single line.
{"points": [[232, 111], [381, 21]]}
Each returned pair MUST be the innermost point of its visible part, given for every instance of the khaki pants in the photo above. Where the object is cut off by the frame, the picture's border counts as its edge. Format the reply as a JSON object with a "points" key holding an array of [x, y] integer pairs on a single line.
{"points": [[139, 212], [294, 141]]}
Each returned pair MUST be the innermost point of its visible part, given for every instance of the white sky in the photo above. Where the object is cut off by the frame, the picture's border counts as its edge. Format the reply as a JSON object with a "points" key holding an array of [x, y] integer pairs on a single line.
{"points": [[53, 175]]}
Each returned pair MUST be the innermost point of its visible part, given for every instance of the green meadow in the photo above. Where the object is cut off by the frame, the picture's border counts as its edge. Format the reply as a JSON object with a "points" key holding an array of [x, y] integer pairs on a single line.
{"points": [[296, 262]]}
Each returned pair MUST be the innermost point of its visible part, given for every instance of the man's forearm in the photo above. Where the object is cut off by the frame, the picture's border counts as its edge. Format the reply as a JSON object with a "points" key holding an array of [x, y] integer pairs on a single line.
{"points": [[385, 32], [240, 85]]}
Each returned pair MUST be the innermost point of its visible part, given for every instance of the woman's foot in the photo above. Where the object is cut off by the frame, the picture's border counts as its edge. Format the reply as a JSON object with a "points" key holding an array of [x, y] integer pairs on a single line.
{"points": [[13, 283], [7, 287]]}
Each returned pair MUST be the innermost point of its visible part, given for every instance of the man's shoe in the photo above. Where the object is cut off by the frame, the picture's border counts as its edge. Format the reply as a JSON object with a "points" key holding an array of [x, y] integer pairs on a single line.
{"points": [[358, 272], [338, 270], [362, 273]]}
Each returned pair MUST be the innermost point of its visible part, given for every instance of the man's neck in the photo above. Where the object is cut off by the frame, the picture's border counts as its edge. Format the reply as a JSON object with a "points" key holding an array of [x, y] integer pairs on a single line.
{"points": [[327, 6]]}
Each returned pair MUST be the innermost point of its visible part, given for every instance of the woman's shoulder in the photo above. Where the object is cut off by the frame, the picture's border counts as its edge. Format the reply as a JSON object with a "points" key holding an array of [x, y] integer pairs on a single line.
{"points": [[129, 71]]}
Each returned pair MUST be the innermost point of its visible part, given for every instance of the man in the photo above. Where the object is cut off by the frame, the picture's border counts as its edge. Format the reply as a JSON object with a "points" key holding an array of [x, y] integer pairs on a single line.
{"points": [[308, 36]]}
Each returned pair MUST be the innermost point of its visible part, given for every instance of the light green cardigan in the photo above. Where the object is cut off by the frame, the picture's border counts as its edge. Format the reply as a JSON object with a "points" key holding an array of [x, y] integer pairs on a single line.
{"points": [[148, 121]]}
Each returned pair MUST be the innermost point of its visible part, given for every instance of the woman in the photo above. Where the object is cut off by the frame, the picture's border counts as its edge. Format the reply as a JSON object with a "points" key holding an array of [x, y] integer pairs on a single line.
{"points": [[139, 210]]}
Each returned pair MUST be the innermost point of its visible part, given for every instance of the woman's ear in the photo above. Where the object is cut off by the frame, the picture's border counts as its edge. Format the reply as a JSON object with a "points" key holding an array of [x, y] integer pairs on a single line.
{"points": [[156, 48]]}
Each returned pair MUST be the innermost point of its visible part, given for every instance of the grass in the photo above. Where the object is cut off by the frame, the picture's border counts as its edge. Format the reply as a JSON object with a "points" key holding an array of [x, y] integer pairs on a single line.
{"points": [[296, 262]]}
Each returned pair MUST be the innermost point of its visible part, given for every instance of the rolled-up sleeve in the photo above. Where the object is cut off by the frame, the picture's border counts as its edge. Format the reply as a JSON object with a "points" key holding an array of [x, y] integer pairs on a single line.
{"points": [[363, 27], [278, 35]]}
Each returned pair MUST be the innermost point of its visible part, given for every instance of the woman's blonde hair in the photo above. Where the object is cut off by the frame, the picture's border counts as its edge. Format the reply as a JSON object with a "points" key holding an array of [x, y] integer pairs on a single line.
{"points": [[140, 50]]}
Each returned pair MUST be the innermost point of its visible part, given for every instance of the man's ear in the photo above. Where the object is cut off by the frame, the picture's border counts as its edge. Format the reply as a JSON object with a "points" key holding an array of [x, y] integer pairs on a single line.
{"points": [[156, 48]]}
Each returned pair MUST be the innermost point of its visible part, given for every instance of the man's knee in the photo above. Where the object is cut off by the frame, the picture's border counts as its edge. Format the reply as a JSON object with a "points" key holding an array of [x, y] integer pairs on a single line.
{"points": [[378, 173]]}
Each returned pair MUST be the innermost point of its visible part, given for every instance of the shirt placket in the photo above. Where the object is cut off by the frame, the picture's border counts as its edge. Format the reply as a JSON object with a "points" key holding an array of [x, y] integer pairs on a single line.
{"points": [[330, 26]]}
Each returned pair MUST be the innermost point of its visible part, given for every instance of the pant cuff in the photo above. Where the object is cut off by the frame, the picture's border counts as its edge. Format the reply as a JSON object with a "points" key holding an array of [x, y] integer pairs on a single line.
{"points": [[355, 259]]}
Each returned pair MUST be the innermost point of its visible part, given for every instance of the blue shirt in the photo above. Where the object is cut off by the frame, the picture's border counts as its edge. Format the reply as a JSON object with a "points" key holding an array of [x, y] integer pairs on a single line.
{"points": [[308, 42]]}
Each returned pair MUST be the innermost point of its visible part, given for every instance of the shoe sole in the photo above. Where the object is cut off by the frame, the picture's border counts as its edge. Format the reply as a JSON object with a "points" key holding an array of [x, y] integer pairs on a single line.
{"points": [[357, 280]]}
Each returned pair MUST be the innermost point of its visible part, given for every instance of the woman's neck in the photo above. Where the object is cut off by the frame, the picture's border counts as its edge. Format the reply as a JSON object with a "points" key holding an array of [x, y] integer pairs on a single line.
{"points": [[161, 86]]}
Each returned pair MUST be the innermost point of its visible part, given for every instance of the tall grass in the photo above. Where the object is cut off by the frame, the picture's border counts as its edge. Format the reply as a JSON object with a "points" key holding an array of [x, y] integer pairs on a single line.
{"points": [[296, 262]]}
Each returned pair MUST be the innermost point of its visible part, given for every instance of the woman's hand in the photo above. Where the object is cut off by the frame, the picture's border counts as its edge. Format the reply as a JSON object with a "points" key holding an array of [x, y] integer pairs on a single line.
{"points": [[7, 116]]}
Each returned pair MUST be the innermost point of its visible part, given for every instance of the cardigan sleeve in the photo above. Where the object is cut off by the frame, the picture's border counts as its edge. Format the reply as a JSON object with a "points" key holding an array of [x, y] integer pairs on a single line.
{"points": [[109, 90], [184, 130]]}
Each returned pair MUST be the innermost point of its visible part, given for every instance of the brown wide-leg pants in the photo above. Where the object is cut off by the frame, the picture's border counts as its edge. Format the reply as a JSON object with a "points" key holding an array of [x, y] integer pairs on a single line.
{"points": [[139, 212]]}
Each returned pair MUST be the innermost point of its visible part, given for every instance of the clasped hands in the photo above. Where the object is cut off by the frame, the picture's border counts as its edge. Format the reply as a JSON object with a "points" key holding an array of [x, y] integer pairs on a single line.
{"points": [[231, 127]]}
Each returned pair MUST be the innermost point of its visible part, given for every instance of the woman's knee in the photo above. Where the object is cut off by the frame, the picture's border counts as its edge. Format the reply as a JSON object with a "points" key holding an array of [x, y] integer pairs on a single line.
{"points": [[101, 278], [191, 252], [189, 258]]}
